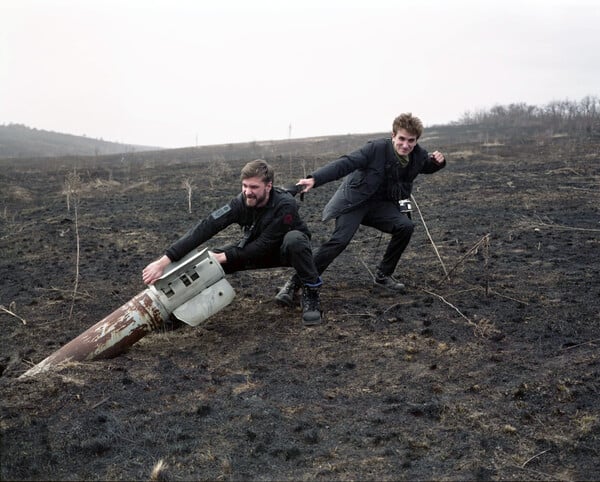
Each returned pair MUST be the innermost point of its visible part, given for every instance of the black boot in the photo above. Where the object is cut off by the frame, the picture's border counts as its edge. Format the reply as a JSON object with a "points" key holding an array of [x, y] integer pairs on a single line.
{"points": [[311, 306], [389, 282], [289, 295]]}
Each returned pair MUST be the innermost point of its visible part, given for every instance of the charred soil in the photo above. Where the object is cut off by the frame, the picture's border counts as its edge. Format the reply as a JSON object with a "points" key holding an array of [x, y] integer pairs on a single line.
{"points": [[487, 368]]}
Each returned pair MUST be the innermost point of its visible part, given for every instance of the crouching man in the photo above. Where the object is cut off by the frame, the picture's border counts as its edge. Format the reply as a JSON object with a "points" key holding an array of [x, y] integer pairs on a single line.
{"points": [[274, 235]]}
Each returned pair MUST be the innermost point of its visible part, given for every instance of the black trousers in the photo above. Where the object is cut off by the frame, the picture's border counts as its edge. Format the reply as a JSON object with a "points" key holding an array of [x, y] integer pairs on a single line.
{"points": [[295, 251], [382, 215]]}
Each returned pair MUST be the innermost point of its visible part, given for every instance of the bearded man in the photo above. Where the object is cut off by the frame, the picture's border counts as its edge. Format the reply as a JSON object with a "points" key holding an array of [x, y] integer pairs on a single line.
{"points": [[274, 235]]}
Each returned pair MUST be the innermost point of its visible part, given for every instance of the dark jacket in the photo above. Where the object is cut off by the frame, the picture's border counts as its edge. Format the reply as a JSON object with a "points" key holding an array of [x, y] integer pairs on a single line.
{"points": [[367, 173], [263, 228]]}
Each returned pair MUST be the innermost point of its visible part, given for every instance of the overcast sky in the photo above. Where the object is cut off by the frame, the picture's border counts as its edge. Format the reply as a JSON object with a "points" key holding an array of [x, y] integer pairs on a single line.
{"points": [[179, 73]]}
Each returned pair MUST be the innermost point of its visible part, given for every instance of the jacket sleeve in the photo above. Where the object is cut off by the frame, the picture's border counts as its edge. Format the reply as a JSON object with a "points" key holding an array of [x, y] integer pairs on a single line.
{"points": [[344, 165], [271, 236], [204, 230]]}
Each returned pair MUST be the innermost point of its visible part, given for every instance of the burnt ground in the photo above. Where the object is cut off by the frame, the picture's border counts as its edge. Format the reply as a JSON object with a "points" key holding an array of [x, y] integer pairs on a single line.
{"points": [[491, 373]]}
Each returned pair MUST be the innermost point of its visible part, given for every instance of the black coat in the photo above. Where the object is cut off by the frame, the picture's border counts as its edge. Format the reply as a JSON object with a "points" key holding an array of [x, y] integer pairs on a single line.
{"points": [[367, 173], [263, 228]]}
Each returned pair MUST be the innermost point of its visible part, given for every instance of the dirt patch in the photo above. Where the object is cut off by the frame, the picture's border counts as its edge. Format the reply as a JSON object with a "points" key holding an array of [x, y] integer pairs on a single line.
{"points": [[490, 373]]}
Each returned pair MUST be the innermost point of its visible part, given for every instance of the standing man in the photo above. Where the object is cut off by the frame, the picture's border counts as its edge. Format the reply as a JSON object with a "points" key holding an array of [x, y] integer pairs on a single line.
{"points": [[274, 235], [380, 174]]}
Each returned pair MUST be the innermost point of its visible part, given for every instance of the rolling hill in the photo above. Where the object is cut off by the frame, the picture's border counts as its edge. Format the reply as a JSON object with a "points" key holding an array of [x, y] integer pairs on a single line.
{"points": [[20, 141]]}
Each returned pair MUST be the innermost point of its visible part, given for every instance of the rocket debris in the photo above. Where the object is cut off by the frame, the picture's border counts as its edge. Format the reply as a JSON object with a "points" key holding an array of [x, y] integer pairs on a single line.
{"points": [[192, 289]]}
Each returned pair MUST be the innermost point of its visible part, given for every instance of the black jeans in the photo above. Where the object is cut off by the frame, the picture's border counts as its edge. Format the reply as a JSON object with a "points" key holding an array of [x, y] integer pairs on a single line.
{"points": [[382, 215], [295, 251]]}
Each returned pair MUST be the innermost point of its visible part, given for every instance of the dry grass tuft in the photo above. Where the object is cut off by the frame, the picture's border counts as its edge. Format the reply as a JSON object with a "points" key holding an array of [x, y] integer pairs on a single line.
{"points": [[159, 473], [18, 193]]}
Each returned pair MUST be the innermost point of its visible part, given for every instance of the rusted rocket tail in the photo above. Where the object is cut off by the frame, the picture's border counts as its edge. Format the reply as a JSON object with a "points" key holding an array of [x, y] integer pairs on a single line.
{"points": [[112, 335]]}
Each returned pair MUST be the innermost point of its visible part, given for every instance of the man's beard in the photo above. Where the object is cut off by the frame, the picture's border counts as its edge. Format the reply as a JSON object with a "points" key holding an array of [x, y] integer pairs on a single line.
{"points": [[255, 201]]}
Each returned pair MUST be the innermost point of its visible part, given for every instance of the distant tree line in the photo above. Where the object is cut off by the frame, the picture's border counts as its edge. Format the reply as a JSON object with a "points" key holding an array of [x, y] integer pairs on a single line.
{"points": [[563, 116]]}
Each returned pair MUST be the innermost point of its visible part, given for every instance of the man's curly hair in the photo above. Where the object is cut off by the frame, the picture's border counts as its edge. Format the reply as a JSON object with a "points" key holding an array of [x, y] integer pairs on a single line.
{"points": [[409, 123]]}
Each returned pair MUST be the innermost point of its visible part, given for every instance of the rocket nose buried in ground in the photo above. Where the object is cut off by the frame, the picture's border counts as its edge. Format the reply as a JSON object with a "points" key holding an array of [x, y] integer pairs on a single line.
{"points": [[193, 289]]}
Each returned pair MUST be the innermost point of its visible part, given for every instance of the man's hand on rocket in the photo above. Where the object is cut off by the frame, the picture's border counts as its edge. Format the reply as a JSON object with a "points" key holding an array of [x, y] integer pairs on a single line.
{"points": [[220, 257], [155, 270]]}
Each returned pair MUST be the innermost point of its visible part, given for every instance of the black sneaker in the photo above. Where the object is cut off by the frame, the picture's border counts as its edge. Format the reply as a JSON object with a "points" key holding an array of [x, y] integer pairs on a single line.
{"points": [[389, 283], [311, 306], [289, 295]]}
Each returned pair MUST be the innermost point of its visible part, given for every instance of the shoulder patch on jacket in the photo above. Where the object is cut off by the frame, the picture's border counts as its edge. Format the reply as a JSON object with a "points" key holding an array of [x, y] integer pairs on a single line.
{"points": [[221, 211]]}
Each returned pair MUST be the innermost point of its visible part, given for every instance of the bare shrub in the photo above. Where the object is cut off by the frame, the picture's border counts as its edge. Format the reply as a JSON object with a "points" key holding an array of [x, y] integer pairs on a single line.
{"points": [[18, 193], [189, 186], [218, 170], [72, 189]]}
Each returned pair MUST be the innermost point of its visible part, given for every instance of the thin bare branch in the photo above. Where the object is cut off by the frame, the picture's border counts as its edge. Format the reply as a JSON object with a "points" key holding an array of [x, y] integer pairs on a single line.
{"points": [[429, 235], [104, 400], [581, 344], [73, 183], [367, 268], [473, 248], [534, 457], [542, 224], [12, 313], [395, 305], [508, 297], [441, 298], [80, 294]]}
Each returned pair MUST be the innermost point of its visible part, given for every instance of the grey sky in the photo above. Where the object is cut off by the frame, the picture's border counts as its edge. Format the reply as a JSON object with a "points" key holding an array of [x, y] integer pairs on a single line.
{"points": [[173, 73]]}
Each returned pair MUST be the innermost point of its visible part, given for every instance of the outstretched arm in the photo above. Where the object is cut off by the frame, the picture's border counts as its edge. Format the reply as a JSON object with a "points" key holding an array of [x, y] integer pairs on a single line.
{"points": [[338, 168]]}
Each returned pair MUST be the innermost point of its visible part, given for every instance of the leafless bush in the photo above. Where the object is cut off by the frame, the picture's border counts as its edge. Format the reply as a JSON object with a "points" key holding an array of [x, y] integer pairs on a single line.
{"points": [[18, 193], [73, 193], [218, 170], [72, 188], [189, 186]]}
